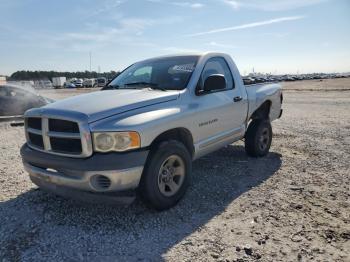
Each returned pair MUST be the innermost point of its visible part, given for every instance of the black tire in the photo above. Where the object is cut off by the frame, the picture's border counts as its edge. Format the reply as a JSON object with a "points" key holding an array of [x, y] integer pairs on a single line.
{"points": [[258, 138], [149, 188]]}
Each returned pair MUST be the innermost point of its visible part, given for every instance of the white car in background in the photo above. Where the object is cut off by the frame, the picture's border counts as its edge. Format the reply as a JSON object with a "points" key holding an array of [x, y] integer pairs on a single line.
{"points": [[89, 82], [78, 83]]}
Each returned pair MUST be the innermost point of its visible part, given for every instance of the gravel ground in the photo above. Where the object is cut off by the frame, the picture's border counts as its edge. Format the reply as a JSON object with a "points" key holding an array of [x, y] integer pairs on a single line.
{"points": [[291, 205]]}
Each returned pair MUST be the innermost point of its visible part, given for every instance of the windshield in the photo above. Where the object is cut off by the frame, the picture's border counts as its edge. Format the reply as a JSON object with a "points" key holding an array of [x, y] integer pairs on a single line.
{"points": [[171, 73]]}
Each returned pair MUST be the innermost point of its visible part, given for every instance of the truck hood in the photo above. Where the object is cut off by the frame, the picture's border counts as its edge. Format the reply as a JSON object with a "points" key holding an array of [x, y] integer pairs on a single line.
{"points": [[102, 104]]}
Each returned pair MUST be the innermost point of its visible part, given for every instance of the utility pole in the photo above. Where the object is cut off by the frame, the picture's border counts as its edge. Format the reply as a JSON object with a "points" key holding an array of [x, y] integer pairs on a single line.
{"points": [[90, 60]]}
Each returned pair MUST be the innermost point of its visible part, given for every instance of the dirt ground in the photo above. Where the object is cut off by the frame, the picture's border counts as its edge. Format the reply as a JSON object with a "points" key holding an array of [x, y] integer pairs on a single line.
{"points": [[292, 205]]}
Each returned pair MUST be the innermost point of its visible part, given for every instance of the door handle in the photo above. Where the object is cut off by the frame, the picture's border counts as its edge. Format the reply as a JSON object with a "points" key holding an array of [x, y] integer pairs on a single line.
{"points": [[237, 98]]}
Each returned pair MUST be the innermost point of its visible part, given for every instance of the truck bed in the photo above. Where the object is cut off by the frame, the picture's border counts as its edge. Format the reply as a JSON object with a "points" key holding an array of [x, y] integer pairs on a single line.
{"points": [[259, 93]]}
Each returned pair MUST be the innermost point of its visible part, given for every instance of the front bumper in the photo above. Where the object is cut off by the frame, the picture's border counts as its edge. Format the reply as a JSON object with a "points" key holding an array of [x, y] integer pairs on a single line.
{"points": [[113, 172]]}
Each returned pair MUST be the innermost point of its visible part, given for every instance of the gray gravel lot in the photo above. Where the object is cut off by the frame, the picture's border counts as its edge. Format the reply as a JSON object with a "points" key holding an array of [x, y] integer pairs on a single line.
{"points": [[291, 205]]}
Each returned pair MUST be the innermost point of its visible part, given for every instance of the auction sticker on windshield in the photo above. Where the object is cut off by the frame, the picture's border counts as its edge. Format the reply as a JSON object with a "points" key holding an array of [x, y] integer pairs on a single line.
{"points": [[185, 68]]}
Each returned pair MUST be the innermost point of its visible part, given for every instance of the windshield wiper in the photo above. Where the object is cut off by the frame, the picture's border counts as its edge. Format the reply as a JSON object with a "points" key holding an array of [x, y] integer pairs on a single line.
{"points": [[158, 88], [150, 85], [141, 84], [110, 87]]}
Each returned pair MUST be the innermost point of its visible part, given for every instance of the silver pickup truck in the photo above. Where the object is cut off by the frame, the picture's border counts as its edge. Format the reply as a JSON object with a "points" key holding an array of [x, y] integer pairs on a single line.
{"points": [[141, 133]]}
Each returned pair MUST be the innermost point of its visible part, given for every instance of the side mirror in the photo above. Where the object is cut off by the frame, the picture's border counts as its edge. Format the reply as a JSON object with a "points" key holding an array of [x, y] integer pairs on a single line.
{"points": [[214, 82]]}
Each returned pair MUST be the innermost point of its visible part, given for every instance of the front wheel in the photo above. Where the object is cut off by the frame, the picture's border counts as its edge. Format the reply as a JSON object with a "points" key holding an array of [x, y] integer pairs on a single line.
{"points": [[258, 138], [166, 176]]}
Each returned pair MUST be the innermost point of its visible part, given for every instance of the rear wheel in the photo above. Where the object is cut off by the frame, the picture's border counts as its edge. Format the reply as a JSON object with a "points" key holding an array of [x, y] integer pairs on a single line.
{"points": [[258, 138], [166, 176]]}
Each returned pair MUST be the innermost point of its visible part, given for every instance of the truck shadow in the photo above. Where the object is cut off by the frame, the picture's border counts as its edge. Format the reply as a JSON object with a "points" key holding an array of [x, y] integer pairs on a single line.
{"points": [[53, 225]]}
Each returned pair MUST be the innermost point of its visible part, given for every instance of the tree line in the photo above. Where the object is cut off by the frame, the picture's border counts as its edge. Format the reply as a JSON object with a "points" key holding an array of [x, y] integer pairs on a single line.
{"points": [[48, 75]]}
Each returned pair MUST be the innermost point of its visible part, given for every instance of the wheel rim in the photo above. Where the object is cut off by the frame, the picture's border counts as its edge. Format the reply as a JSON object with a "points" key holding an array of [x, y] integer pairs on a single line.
{"points": [[264, 139], [171, 175]]}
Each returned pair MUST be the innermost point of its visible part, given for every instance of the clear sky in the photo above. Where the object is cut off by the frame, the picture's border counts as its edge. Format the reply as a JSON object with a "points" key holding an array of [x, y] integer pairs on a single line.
{"points": [[278, 36]]}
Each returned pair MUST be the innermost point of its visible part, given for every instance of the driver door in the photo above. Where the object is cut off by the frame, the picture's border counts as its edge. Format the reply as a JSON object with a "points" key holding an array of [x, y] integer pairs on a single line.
{"points": [[221, 119]]}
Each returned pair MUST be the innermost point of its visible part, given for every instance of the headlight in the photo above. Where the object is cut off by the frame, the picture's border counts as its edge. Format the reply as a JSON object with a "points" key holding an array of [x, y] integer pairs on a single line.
{"points": [[116, 141]]}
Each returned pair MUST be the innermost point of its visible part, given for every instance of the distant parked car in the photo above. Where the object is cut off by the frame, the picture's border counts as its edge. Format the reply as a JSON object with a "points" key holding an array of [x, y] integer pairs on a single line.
{"points": [[248, 80], [68, 85], [89, 82], [43, 84], [259, 80], [101, 81], [290, 78], [15, 100], [78, 83]]}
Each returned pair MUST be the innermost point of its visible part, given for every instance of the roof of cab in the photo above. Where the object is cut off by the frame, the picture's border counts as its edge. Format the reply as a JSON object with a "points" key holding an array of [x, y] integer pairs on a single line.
{"points": [[198, 54]]}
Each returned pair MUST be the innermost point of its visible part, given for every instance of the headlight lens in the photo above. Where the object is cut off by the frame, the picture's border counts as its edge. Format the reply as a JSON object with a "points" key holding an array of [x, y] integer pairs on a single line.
{"points": [[116, 141], [104, 141]]}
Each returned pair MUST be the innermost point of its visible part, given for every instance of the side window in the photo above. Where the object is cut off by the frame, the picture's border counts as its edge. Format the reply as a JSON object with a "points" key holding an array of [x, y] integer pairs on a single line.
{"points": [[216, 65], [143, 74]]}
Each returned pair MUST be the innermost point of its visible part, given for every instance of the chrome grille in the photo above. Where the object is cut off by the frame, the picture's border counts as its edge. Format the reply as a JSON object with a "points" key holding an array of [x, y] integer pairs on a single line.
{"points": [[57, 136], [34, 122], [59, 125]]}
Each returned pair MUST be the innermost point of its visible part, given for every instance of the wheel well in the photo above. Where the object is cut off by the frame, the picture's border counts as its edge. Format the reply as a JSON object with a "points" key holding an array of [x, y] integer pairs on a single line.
{"points": [[182, 135], [263, 111]]}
